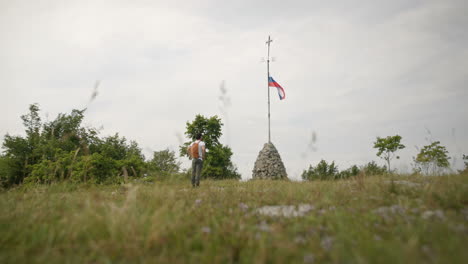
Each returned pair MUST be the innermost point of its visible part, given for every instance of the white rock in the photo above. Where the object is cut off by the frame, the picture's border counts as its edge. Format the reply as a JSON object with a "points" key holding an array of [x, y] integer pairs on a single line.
{"points": [[206, 230], [405, 183], [327, 243], [309, 259], [387, 212], [437, 214], [285, 210]]}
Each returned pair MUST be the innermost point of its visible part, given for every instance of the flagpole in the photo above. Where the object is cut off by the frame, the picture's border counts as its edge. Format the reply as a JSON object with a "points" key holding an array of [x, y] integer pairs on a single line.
{"points": [[268, 87]]}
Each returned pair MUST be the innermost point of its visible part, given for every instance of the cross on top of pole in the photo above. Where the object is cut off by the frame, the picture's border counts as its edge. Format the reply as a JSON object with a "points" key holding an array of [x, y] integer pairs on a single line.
{"points": [[268, 42]]}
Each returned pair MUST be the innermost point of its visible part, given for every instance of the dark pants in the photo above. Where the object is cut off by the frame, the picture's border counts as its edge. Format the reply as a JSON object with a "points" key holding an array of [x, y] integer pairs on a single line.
{"points": [[197, 165]]}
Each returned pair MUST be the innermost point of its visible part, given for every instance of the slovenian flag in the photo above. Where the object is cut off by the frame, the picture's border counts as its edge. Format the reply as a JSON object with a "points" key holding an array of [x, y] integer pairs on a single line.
{"points": [[273, 83]]}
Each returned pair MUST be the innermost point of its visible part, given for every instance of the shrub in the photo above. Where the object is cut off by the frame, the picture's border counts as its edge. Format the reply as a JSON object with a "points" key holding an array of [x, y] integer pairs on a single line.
{"points": [[372, 168], [164, 161], [432, 159], [218, 164], [465, 160], [63, 149], [350, 172], [7, 172], [323, 171]]}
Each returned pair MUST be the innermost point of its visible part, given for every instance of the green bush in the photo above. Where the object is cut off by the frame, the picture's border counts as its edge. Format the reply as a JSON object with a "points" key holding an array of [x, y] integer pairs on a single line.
{"points": [[432, 159], [372, 168], [63, 149], [7, 172], [164, 161], [323, 171], [465, 160], [218, 164], [326, 171], [350, 172]]}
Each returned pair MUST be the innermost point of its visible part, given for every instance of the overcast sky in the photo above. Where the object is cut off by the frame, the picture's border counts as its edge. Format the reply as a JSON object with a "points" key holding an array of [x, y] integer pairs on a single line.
{"points": [[351, 70]]}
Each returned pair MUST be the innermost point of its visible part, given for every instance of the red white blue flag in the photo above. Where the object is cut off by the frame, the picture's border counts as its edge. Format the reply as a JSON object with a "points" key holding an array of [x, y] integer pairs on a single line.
{"points": [[273, 83]]}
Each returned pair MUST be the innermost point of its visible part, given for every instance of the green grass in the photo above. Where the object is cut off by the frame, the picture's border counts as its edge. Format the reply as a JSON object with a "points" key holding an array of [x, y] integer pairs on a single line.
{"points": [[169, 222]]}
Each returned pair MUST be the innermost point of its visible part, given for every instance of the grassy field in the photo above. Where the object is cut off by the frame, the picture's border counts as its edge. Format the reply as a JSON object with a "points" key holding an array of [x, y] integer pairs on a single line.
{"points": [[392, 219]]}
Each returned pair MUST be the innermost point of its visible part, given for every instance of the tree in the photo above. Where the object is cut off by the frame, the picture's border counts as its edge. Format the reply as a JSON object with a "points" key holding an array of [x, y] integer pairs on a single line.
{"points": [[22, 152], [127, 156], [17, 158], [7, 176], [350, 172], [63, 149], [32, 122], [323, 171], [218, 164], [210, 128], [164, 161], [387, 147], [465, 159], [372, 168], [432, 158]]}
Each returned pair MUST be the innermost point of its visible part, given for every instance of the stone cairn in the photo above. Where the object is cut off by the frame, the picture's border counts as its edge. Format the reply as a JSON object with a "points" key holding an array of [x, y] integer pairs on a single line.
{"points": [[269, 164]]}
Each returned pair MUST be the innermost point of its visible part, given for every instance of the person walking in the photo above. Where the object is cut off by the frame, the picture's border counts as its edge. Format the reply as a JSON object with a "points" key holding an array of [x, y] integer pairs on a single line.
{"points": [[197, 152]]}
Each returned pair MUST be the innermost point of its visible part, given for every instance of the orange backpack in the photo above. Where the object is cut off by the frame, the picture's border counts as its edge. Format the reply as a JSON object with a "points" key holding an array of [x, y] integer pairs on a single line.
{"points": [[194, 150]]}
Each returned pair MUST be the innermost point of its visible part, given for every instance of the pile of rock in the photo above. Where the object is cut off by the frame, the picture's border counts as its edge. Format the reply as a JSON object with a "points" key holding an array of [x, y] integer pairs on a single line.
{"points": [[269, 164]]}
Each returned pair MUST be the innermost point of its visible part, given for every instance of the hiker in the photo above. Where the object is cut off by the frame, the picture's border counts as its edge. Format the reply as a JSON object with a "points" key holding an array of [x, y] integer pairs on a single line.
{"points": [[197, 152]]}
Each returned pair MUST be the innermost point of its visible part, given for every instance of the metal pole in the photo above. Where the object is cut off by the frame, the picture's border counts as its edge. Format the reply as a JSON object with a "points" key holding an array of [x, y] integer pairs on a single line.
{"points": [[268, 87]]}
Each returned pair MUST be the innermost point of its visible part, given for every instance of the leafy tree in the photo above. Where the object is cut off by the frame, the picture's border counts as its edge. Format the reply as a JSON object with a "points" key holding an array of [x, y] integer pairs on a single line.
{"points": [[32, 121], [17, 158], [218, 164], [387, 147], [372, 168], [7, 177], [210, 128], [432, 158], [63, 149], [326, 171], [103, 168], [465, 159], [164, 161], [65, 133], [350, 172], [323, 171], [20, 151], [126, 157], [117, 148], [66, 130]]}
